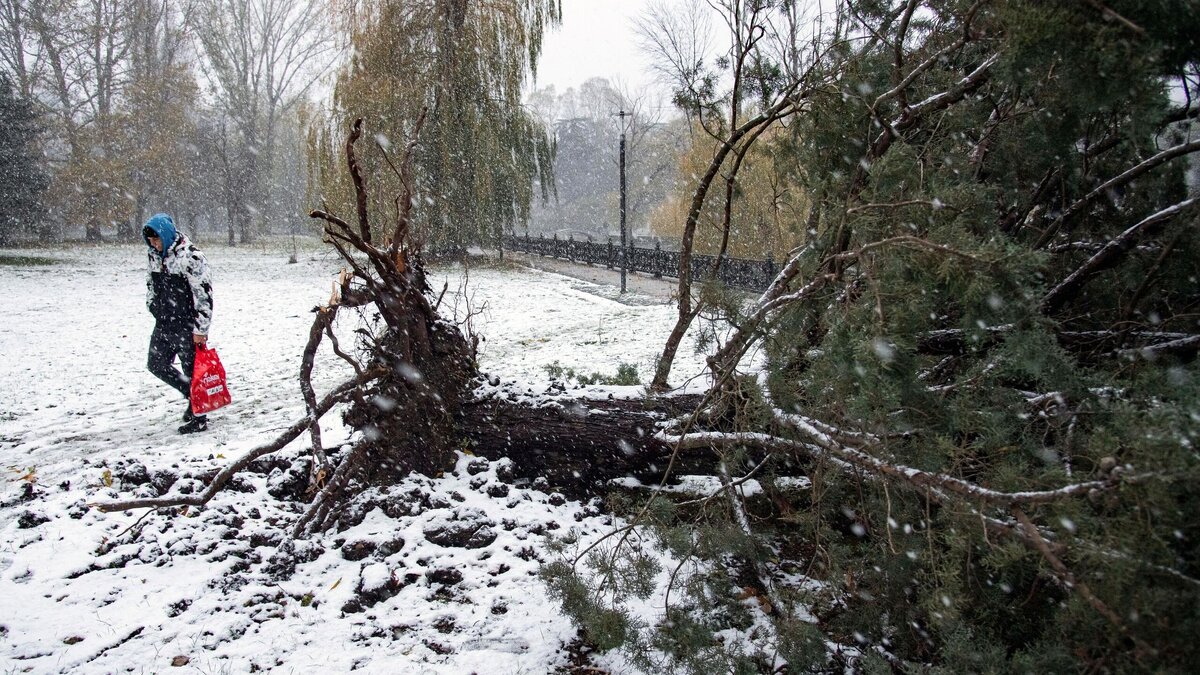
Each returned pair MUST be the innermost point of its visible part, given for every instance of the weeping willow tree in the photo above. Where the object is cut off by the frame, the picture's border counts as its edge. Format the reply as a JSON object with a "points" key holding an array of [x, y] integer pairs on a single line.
{"points": [[482, 155]]}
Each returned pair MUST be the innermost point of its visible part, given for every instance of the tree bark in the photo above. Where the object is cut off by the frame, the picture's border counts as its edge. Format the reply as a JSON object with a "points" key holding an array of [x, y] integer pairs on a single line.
{"points": [[580, 445]]}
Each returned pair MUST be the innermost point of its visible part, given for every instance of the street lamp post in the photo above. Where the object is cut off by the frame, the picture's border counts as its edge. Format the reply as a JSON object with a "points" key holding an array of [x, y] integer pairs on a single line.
{"points": [[624, 245]]}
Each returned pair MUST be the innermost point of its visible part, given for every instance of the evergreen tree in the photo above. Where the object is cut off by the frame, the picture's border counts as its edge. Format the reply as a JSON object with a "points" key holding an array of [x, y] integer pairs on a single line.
{"points": [[22, 179], [983, 358]]}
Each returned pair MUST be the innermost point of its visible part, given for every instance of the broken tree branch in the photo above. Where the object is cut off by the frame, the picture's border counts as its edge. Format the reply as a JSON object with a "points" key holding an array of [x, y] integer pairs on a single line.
{"points": [[346, 235], [825, 447], [1110, 13], [1108, 256], [319, 509], [778, 608], [337, 349], [1068, 579], [913, 114], [894, 205], [406, 178], [338, 394], [1064, 220], [322, 321], [928, 63], [1182, 346], [360, 193]]}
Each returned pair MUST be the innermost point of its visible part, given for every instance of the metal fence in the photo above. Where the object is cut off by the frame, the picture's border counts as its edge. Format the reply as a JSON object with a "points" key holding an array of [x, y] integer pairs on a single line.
{"points": [[753, 275]]}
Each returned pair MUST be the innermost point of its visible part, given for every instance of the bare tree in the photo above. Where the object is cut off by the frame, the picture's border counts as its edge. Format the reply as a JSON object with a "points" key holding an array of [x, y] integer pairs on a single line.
{"points": [[82, 52], [263, 56], [84, 46], [19, 56], [158, 31], [731, 117], [161, 102]]}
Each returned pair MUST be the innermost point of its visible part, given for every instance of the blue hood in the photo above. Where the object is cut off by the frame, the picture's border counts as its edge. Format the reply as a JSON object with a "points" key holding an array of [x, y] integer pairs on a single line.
{"points": [[162, 224]]}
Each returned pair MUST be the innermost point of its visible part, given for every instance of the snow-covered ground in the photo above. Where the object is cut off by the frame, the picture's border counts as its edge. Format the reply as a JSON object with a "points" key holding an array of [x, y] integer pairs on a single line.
{"points": [[222, 589]]}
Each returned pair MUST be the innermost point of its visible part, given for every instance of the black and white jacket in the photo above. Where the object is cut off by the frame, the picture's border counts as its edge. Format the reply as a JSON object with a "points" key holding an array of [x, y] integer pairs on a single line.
{"points": [[179, 287]]}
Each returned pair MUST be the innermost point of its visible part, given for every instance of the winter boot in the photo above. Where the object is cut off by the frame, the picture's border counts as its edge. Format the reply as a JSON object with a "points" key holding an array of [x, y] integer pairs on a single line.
{"points": [[197, 423], [188, 415]]}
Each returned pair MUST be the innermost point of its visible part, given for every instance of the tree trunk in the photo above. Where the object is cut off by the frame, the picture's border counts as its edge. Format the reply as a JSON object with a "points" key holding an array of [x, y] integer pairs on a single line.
{"points": [[408, 418], [580, 445], [245, 226], [93, 234], [249, 197], [49, 232]]}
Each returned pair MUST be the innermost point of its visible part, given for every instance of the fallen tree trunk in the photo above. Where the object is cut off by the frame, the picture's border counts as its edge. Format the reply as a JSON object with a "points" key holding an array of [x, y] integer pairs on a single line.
{"points": [[580, 445], [420, 405]]}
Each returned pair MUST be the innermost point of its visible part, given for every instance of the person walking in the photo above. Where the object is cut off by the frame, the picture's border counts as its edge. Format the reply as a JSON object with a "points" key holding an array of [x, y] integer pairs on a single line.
{"points": [[179, 295]]}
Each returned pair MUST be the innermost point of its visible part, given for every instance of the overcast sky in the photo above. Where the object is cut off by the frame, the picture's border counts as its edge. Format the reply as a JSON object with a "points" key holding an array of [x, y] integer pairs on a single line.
{"points": [[596, 39]]}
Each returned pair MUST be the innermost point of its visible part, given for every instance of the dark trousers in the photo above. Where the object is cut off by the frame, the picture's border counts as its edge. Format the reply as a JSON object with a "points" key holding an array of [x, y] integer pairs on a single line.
{"points": [[166, 342]]}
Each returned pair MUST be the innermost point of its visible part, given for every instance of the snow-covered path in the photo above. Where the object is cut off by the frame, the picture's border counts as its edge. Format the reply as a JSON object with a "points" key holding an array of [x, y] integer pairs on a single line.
{"points": [[74, 381], [78, 410]]}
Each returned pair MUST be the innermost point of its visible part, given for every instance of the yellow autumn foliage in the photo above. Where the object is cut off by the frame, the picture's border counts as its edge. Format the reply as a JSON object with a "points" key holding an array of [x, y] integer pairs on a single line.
{"points": [[768, 210]]}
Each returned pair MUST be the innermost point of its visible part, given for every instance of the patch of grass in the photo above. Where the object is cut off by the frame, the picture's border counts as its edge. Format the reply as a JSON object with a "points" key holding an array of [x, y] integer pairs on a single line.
{"points": [[26, 260], [485, 261], [627, 375]]}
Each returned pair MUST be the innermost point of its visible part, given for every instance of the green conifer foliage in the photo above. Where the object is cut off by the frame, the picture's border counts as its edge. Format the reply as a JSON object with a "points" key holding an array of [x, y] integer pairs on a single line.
{"points": [[22, 179], [983, 358], [1019, 403]]}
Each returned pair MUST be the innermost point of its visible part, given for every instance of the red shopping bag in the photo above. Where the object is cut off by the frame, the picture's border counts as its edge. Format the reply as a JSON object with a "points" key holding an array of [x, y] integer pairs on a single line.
{"points": [[209, 391]]}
